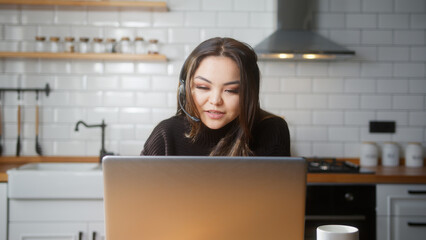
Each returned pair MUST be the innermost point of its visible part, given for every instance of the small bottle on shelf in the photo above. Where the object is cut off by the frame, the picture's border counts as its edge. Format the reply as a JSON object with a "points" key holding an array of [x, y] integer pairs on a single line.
{"points": [[54, 45], [110, 45], [69, 45], [153, 46], [125, 46], [140, 45], [98, 46], [40, 44]]}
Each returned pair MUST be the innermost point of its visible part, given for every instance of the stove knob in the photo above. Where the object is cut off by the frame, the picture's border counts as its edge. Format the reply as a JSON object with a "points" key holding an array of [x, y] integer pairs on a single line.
{"points": [[349, 197]]}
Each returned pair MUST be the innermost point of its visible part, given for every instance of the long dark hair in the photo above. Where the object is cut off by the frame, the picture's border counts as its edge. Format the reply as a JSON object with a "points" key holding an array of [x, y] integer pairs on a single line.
{"points": [[237, 140]]}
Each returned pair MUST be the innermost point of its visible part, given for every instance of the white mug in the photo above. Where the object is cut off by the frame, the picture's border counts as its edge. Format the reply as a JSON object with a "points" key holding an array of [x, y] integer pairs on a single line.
{"points": [[337, 232]]}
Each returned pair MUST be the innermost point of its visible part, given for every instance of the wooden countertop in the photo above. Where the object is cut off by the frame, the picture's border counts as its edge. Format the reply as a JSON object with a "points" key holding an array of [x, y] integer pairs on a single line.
{"points": [[381, 174]]}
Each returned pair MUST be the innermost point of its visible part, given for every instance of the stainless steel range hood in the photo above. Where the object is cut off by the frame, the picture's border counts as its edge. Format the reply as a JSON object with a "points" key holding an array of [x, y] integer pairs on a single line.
{"points": [[293, 40]]}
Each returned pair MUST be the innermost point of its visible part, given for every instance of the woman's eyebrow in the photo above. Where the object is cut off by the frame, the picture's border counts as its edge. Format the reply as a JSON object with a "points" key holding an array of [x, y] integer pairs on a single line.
{"points": [[228, 83]]}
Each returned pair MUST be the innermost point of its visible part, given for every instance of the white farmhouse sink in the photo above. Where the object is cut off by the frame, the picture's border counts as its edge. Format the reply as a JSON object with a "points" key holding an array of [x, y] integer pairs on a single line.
{"points": [[56, 180]]}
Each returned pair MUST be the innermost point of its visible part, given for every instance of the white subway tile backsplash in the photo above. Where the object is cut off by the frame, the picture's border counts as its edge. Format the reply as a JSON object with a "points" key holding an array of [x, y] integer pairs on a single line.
{"points": [[200, 19], [408, 102], [359, 118], [69, 115], [409, 37], [249, 5], [57, 98], [312, 69], [360, 85], [56, 131], [311, 134], [376, 69], [401, 118], [135, 82], [279, 69], [207, 33], [345, 69], [130, 148], [142, 132], [394, 53], [330, 20], [327, 118], [392, 85], [302, 149], [409, 69], [343, 134], [417, 119], [21, 66], [346, 36], [108, 114], [345, 5], [135, 19], [67, 82], [86, 31], [330, 85], [296, 85], [281, 100], [249, 36], [87, 67], [376, 102], [102, 82], [55, 66], [120, 132], [183, 35], [305, 101], [69, 148], [364, 21], [418, 54], [352, 149], [376, 37], [394, 21], [16, 32], [377, 6], [168, 19], [328, 149], [216, 5], [418, 21], [9, 46], [87, 99], [233, 19], [103, 17], [343, 102], [184, 5], [9, 14], [417, 86], [159, 114], [366, 136], [410, 5], [37, 14], [262, 19], [408, 134], [73, 15], [135, 115], [119, 67], [165, 83], [151, 99], [53, 31], [364, 53], [151, 68], [269, 84], [119, 99]]}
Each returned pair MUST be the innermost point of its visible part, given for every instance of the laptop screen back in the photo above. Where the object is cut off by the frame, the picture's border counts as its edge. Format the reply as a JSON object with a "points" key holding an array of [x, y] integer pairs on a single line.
{"points": [[204, 198]]}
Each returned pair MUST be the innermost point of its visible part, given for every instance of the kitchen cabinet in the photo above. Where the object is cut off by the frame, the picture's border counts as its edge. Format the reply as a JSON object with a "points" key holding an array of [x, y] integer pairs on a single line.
{"points": [[3, 211], [401, 211], [81, 219]]}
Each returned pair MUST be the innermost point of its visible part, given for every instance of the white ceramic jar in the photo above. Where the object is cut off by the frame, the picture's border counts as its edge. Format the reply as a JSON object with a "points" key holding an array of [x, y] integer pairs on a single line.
{"points": [[414, 155], [390, 154], [369, 154]]}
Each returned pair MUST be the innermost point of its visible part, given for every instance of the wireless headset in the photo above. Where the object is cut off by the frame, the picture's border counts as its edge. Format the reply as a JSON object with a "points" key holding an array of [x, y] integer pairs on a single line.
{"points": [[182, 93]]}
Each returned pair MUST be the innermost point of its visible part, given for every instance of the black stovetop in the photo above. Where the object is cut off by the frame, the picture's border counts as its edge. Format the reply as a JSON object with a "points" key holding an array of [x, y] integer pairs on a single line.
{"points": [[331, 165]]}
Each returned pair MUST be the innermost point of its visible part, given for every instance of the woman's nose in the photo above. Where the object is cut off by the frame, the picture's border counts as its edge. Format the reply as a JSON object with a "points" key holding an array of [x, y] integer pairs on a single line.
{"points": [[216, 98]]}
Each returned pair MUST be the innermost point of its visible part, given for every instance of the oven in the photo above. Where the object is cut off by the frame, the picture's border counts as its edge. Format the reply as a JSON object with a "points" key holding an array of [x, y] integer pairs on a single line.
{"points": [[345, 204]]}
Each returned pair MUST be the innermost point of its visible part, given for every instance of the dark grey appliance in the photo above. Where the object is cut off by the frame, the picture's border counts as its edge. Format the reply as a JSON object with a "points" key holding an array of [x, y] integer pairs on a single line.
{"points": [[347, 204]]}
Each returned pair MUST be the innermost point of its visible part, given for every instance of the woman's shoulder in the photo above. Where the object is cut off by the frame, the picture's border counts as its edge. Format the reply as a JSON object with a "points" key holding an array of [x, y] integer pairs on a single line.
{"points": [[272, 121], [171, 123]]}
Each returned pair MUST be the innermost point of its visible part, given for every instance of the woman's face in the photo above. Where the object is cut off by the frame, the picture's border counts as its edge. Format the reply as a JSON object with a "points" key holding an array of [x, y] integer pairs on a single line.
{"points": [[215, 90]]}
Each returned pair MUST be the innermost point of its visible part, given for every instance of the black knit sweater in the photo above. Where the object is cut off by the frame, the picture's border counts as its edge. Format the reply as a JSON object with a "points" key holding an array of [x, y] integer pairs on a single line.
{"points": [[270, 138]]}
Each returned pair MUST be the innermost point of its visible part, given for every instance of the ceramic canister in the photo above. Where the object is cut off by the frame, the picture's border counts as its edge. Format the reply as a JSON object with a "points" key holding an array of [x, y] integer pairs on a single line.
{"points": [[369, 154], [390, 154], [414, 155]]}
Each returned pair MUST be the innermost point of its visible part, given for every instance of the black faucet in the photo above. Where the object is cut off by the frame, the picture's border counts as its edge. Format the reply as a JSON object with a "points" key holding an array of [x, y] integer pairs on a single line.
{"points": [[103, 152]]}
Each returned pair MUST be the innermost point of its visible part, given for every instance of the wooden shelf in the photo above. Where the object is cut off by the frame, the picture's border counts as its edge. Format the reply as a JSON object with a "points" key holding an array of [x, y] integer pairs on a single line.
{"points": [[148, 5], [87, 56]]}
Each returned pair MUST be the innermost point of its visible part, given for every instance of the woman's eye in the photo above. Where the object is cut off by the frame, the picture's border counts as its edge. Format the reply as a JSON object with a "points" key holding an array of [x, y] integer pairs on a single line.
{"points": [[232, 90], [201, 87]]}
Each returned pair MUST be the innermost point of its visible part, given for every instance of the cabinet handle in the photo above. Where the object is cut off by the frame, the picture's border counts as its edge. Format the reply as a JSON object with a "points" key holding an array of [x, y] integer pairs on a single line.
{"points": [[416, 224], [80, 235], [93, 235], [416, 192]]}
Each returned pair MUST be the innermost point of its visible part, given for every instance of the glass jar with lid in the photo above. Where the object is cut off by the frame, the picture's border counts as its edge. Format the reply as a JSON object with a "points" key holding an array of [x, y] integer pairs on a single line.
{"points": [[125, 46], [54, 44], [110, 45], [140, 45], [40, 44], [69, 45], [98, 46], [153, 46], [83, 45]]}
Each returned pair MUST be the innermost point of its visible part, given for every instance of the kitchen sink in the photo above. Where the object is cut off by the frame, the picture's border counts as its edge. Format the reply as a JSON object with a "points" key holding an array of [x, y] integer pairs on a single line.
{"points": [[56, 181]]}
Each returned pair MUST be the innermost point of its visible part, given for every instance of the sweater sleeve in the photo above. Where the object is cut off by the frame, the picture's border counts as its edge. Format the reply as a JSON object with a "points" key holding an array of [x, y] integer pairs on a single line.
{"points": [[156, 142], [271, 137]]}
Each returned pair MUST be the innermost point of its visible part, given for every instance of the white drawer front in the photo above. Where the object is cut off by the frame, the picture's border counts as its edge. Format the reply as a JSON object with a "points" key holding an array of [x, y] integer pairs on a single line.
{"points": [[413, 228], [400, 200], [47, 231]]}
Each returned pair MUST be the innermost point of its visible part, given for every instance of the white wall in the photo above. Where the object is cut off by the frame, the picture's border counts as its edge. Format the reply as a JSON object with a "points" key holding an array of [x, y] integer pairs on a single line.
{"points": [[327, 104]]}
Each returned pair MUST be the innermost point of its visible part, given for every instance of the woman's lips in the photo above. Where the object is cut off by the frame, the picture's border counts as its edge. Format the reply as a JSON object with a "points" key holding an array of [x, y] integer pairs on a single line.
{"points": [[214, 114]]}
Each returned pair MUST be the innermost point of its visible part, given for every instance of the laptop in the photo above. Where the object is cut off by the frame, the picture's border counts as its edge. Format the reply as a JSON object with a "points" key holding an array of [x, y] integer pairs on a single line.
{"points": [[204, 198]]}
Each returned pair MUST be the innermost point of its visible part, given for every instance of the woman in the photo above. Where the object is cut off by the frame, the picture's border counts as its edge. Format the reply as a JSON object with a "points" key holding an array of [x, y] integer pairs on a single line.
{"points": [[219, 112]]}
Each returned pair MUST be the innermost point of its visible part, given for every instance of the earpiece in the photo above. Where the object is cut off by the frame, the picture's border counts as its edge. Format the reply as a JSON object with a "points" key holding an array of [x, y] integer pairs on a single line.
{"points": [[182, 94]]}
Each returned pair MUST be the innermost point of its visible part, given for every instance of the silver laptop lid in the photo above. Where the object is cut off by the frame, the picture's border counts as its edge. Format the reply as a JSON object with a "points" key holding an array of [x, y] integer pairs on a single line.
{"points": [[203, 198]]}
